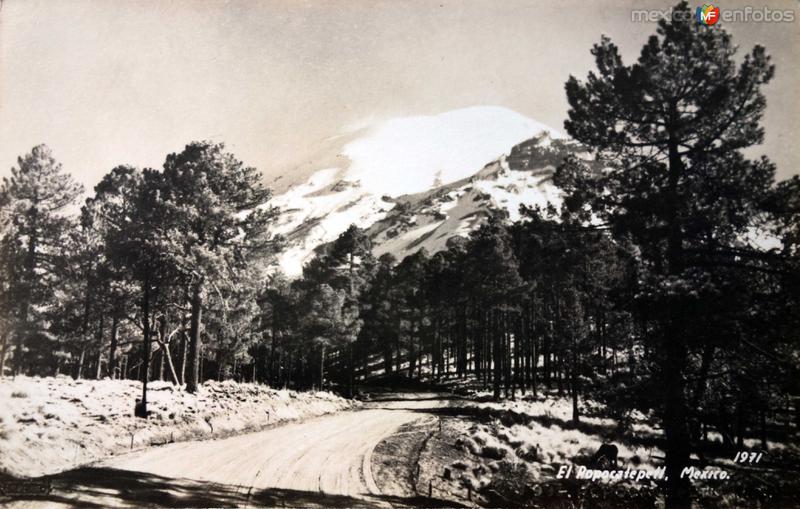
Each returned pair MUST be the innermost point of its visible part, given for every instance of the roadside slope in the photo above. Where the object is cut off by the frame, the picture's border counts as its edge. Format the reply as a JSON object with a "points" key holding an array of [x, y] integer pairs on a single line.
{"points": [[49, 425], [324, 461]]}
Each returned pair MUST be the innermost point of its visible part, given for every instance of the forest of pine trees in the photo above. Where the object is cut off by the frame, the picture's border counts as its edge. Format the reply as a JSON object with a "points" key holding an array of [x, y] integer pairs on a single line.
{"points": [[644, 291]]}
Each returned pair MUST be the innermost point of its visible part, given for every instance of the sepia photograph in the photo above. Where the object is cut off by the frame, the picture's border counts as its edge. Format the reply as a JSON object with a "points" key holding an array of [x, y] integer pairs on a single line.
{"points": [[400, 253]]}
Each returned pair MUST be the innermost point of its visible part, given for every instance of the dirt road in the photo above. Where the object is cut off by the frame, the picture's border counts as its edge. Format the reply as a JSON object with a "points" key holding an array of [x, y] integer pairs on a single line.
{"points": [[320, 462]]}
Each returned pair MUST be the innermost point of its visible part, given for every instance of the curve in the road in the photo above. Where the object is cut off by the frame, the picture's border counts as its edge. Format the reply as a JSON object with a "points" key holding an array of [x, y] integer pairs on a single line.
{"points": [[325, 461]]}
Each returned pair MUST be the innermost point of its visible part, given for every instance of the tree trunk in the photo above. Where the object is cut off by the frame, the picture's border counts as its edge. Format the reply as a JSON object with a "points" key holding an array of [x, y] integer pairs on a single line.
{"points": [[574, 380], [3, 354], [675, 422], [162, 334], [182, 349], [322, 368], [497, 356], [534, 355], [194, 338], [388, 361], [79, 372], [25, 304], [184, 343], [99, 339], [675, 355], [112, 351], [350, 373], [161, 364], [144, 372], [166, 355]]}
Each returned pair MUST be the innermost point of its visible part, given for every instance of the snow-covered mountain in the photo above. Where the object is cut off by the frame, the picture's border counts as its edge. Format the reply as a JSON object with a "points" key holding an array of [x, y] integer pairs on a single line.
{"points": [[418, 181]]}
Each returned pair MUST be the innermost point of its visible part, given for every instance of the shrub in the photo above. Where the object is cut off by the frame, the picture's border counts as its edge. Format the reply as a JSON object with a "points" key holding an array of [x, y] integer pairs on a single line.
{"points": [[528, 452], [493, 452]]}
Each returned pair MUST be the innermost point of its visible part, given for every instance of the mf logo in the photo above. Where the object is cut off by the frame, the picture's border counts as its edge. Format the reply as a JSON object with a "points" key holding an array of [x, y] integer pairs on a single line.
{"points": [[707, 14]]}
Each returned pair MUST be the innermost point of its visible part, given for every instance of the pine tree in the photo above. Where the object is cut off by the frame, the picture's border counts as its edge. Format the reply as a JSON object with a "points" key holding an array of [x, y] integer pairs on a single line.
{"points": [[493, 276], [217, 219], [380, 313], [120, 207], [331, 320], [34, 200], [670, 130], [278, 324], [412, 308], [131, 204]]}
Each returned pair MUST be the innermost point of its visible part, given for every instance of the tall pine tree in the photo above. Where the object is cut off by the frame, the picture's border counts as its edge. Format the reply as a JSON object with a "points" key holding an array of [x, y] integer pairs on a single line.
{"points": [[217, 221], [34, 200], [670, 130]]}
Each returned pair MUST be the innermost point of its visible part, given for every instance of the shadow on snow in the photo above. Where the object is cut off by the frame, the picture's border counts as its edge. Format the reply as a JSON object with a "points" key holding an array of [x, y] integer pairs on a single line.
{"points": [[98, 487]]}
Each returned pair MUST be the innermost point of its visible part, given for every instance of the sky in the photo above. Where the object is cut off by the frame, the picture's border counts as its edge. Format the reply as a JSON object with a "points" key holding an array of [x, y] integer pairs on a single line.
{"points": [[108, 82]]}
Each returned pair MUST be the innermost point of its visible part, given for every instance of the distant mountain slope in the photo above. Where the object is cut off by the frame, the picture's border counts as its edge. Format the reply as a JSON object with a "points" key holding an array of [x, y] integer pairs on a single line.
{"points": [[429, 219], [417, 182]]}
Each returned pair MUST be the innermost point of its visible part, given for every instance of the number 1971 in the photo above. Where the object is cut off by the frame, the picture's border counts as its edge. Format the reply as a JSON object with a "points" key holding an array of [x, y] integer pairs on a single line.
{"points": [[747, 457]]}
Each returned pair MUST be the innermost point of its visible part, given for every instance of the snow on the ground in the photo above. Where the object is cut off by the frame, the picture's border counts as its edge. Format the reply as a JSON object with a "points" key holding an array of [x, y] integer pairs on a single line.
{"points": [[504, 450], [52, 424], [555, 444], [539, 433]]}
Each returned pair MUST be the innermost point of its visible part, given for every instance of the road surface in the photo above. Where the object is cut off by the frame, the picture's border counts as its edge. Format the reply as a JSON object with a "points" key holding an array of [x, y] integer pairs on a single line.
{"points": [[324, 461]]}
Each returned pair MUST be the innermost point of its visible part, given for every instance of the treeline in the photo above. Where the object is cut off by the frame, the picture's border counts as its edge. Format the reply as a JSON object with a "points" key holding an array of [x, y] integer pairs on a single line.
{"points": [[126, 287], [547, 305], [167, 275], [520, 307]]}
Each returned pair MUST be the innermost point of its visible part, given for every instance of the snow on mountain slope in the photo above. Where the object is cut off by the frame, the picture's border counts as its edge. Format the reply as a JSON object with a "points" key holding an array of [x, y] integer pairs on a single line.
{"points": [[428, 220], [317, 212], [388, 180], [410, 155]]}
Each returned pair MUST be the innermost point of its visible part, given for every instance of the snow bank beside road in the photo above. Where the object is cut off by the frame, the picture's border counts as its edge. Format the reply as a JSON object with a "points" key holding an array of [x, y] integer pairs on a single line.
{"points": [[52, 424], [509, 452]]}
